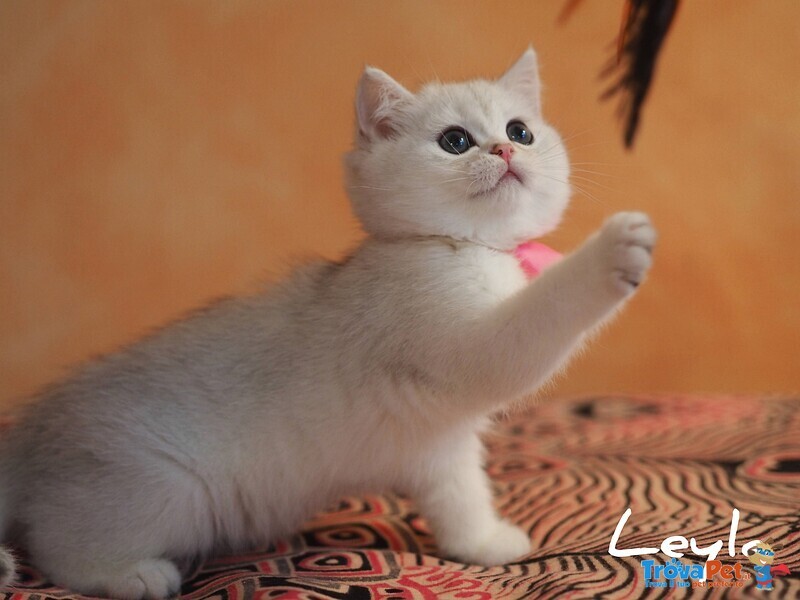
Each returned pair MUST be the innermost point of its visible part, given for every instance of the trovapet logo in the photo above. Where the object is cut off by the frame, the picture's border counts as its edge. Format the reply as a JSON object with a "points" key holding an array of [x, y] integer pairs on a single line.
{"points": [[762, 558], [711, 573], [679, 574]]}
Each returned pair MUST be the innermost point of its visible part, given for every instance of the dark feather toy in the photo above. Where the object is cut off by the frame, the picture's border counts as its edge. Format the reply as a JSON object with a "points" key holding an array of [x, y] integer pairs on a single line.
{"points": [[645, 25]]}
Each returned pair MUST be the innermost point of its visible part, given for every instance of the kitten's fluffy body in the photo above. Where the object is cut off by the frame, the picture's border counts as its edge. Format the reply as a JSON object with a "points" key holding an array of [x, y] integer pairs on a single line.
{"points": [[228, 429]]}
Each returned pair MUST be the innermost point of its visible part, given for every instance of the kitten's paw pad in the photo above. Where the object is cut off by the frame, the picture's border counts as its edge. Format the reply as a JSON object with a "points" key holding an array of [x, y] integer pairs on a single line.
{"points": [[629, 239], [152, 579], [505, 544]]}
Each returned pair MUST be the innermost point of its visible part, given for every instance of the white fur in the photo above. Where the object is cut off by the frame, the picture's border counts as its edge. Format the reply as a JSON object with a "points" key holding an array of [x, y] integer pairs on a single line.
{"points": [[403, 184], [231, 427]]}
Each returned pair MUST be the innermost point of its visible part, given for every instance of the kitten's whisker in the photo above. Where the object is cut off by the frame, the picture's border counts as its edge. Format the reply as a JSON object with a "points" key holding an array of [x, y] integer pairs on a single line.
{"points": [[582, 164], [553, 146], [579, 133], [589, 145], [466, 192], [550, 157], [575, 186], [455, 170], [551, 177], [598, 164], [586, 180], [589, 195], [598, 173], [563, 141]]}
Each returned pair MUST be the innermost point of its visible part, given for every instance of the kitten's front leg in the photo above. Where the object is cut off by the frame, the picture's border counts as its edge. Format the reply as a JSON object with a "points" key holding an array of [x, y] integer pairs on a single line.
{"points": [[548, 321], [531, 335], [454, 495]]}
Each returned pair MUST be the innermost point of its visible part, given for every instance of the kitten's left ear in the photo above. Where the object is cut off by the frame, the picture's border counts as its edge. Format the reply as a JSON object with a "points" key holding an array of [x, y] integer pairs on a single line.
{"points": [[523, 77], [378, 100]]}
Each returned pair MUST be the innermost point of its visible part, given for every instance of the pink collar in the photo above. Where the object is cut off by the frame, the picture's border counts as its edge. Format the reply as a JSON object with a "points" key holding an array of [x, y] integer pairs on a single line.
{"points": [[534, 257]]}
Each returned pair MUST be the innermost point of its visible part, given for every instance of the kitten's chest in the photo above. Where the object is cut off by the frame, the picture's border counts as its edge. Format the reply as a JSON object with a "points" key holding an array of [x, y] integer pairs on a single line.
{"points": [[486, 275], [419, 285], [503, 273]]}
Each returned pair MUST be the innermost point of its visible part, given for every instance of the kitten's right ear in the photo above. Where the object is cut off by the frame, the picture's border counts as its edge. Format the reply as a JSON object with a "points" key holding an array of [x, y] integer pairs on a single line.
{"points": [[378, 100], [523, 77]]}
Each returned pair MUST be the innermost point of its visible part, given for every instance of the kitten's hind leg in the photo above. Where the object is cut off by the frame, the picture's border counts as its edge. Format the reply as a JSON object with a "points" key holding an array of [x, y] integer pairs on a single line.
{"points": [[147, 579]]}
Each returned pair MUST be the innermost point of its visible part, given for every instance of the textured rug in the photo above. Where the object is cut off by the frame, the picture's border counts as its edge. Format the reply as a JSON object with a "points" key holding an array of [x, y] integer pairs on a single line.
{"points": [[566, 471]]}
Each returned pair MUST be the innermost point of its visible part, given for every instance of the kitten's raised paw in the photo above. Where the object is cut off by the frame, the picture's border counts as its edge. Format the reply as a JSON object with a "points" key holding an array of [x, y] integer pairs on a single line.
{"points": [[627, 241], [505, 544]]}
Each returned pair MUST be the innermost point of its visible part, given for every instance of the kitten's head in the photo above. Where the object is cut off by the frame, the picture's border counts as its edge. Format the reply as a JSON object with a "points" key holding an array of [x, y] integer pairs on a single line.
{"points": [[472, 161]]}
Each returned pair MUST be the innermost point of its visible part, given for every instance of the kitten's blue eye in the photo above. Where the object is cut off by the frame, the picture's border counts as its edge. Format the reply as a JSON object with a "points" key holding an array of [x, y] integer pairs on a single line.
{"points": [[518, 132], [456, 140]]}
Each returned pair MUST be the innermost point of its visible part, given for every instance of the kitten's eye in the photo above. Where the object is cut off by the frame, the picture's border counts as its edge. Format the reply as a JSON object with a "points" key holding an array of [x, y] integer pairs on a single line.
{"points": [[518, 132], [456, 140]]}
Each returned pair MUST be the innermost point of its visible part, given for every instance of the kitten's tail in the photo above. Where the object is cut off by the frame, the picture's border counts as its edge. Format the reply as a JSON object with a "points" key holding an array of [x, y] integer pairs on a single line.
{"points": [[7, 567], [7, 563]]}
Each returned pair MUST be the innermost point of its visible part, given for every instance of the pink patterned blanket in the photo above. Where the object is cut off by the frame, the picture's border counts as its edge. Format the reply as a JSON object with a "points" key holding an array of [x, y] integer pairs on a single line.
{"points": [[566, 470]]}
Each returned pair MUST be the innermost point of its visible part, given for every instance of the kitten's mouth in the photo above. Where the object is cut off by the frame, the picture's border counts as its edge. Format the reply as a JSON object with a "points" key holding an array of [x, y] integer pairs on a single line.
{"points": [[509, 175], [506, 179]]}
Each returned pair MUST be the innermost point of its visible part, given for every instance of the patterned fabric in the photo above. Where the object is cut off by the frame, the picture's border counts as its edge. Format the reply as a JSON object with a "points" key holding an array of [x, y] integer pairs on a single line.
{"points": [[566, 471]]}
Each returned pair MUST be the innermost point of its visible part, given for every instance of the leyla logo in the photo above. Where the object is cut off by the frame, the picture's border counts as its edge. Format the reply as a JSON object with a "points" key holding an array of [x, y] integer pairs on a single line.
{"points": [[675, 572]]}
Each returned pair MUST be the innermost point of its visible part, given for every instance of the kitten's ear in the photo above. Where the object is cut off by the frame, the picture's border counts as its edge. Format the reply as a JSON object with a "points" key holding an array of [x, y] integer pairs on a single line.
{"points": [[378, 99], [523, 77]]}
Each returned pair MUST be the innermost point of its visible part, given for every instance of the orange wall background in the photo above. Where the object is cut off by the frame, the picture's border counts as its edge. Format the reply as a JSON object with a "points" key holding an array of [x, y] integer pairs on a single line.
{"points": [[155, 155]]}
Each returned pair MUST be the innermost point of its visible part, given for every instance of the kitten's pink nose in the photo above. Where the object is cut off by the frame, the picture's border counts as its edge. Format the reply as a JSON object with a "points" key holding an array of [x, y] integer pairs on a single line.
{"points": [[504, 151]]}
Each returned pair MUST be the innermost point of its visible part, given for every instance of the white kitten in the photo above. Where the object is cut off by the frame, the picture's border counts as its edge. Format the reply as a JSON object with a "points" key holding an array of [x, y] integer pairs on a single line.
{"points": [[229, 428]]}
